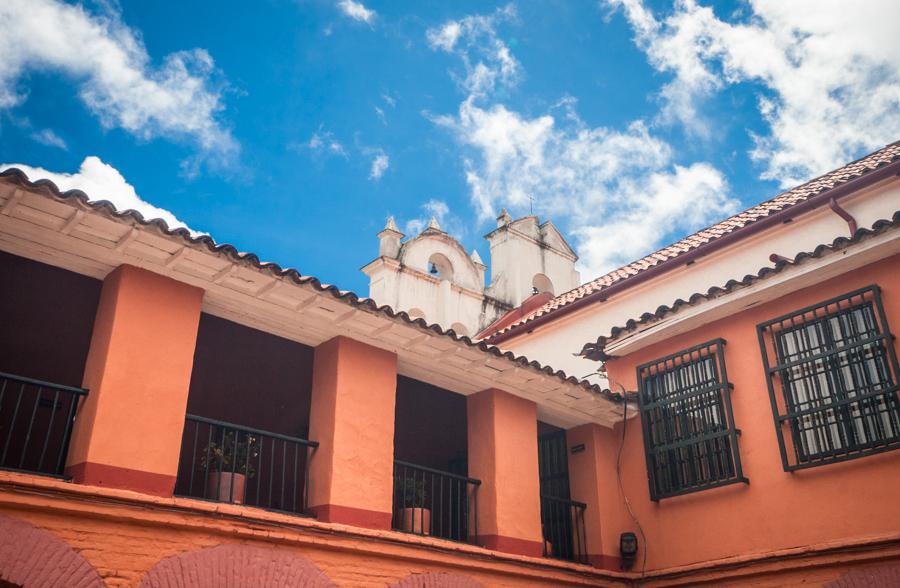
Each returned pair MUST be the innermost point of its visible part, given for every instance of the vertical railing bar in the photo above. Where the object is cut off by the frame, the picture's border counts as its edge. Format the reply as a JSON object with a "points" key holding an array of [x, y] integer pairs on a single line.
{"points": [[431, 518], [12, 424], [271, 473], [70, 418], [250, 442], [308, 457], [475, 518], [262, 445], [294, 494], [234, 458], [190, 491], [49, 429], [221, 467], [283, 470], [37, 402], [206, 472]]}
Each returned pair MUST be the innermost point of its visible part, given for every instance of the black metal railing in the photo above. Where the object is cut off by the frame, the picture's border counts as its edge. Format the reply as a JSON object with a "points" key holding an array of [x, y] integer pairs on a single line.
{"points": [[435, 503], [36, 421], [563, 525], [229, 463]]}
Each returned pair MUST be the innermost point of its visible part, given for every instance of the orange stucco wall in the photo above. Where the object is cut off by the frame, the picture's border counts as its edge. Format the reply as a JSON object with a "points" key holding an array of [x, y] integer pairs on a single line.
{"points": [[588, 478], [124, 535], [503, 454], [138, 372], [834, 504], [352, 417]]}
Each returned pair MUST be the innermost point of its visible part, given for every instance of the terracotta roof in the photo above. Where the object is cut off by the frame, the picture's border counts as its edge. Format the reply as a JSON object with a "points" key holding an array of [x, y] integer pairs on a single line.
{"points": [[731, 225], [48, 188], [596, 350]]}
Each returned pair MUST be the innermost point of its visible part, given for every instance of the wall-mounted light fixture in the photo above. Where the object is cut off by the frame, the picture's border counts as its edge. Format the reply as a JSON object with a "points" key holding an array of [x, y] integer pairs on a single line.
{"points": [[628, 548]]}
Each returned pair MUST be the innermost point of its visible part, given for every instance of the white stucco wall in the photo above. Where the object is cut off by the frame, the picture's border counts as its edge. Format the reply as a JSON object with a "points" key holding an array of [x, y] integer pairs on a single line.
{"points": [[559, 342], [522, 250]]}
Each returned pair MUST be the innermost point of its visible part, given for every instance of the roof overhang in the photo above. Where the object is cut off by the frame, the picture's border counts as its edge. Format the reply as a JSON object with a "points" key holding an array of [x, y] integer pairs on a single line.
{"points": [[93, 238], [805, 270]]}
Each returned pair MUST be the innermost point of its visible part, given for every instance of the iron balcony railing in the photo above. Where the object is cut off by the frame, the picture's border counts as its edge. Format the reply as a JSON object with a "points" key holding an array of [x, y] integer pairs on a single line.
{"points": [[563, 524], [36, 420], [435, 503], [226, 462]]}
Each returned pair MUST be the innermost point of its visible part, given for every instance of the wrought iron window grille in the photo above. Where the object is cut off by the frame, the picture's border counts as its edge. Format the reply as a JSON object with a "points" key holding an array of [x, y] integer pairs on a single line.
{"points": [[690, 440], [833, 387]]}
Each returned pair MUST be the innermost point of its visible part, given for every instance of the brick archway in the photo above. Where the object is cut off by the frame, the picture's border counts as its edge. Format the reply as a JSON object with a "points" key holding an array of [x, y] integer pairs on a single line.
{"points": [[874, 577], [34, 558], [437, 580], [233, 566]]}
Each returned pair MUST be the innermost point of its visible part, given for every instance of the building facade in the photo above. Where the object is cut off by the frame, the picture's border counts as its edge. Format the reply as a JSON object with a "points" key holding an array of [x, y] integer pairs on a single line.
{"points": [[431, 277], [176, 413]]}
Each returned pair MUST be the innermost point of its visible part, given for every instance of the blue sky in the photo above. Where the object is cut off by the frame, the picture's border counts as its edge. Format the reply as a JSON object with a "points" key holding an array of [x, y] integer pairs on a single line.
{"points": [[295, 128]]}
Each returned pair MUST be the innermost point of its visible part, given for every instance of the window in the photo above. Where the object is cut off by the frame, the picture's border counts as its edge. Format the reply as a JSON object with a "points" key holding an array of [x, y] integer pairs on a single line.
{"points": [[689, 435], [833, 387]]}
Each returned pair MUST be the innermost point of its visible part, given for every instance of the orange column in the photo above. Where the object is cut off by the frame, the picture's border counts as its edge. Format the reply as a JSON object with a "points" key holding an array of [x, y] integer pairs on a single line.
{"points": [[592, 481], [352, 418], [138, 371], [503, 454]]}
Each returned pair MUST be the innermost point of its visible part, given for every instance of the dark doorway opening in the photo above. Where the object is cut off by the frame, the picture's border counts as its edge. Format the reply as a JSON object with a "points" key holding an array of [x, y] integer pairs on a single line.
{"points": [[247, 422], [433, 494]]}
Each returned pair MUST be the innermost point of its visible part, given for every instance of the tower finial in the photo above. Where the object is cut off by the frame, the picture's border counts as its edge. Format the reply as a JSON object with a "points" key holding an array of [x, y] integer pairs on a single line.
{"points": [[504, 218], [391, 225], [433, 224]]}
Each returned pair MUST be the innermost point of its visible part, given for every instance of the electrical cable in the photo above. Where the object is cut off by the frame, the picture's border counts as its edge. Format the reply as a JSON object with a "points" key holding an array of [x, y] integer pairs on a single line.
{"points": [[619, 476], [619, 466]]}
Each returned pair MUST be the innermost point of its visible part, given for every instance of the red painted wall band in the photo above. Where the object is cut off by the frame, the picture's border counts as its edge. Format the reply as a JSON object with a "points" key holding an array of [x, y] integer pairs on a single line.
{"points": [[512, 545], [606, 562], [98, 474], [347, 515]]}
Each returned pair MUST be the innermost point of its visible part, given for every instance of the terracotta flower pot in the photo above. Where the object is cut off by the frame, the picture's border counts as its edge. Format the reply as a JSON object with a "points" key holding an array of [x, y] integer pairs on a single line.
{"points": [[416, 520], [226, 487]]}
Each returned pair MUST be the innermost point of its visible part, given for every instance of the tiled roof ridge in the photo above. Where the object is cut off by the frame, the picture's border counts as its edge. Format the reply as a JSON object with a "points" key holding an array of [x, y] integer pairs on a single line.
{"points": [[596, 350], [782, 201], [17, 176]]}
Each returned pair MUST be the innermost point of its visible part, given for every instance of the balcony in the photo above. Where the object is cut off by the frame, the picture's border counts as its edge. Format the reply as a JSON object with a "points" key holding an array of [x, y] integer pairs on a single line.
{"points": [[562, 519], [435, 503], [225, 462], [36, 419], [433, 494], [247, 420], [563, 525]]}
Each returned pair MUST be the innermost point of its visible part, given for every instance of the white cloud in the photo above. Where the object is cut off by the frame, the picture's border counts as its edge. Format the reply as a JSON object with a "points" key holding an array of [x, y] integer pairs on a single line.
{"points": [[324, 142], [101, 181], [486, 58], [828, 76], [380, 164], [618, 192], [436, 209], [357, 11], [49, 138], [178, 99]]}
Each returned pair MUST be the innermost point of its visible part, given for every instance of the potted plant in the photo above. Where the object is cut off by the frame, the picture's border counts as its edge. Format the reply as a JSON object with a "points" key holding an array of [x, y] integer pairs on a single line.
{"points": [[228, 460], [415, 518]]}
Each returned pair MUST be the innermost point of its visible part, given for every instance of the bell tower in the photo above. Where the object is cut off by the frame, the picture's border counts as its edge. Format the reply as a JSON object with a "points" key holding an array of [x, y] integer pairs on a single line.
{"points": [[432, 277]]}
